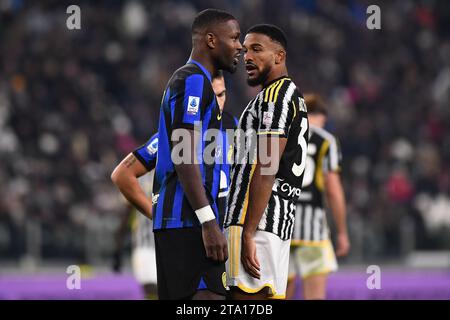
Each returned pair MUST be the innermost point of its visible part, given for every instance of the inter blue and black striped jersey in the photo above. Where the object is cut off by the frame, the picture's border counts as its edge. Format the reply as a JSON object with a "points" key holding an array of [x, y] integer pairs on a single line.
{"points": [[146, 153], [188, 103]]}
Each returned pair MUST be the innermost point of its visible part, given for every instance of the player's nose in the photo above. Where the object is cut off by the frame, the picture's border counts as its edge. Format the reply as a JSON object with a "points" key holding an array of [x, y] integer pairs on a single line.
{"points": [[247, 57], [239, 46]]}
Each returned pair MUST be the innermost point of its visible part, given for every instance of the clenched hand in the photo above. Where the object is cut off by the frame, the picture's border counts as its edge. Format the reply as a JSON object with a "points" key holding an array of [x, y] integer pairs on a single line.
{"points": [[214, 241]]}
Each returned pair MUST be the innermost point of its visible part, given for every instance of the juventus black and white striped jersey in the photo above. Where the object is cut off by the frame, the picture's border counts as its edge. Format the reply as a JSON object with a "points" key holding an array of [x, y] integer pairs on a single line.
{"points": [[279, 111], [324, 155]]}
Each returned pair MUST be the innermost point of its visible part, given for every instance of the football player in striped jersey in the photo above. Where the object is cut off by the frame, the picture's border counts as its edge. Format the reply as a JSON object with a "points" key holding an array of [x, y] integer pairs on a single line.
{"points": [[312, 255]]}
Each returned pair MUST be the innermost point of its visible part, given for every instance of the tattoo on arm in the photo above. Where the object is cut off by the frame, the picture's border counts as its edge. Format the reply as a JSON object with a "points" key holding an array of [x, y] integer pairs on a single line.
{"points": [[130, 161]]}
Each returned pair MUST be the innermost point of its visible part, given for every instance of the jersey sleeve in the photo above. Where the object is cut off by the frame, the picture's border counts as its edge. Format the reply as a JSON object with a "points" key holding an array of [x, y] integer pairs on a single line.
{"points": [[276, 116], [147, 153], [191, 96], [333, 157]]}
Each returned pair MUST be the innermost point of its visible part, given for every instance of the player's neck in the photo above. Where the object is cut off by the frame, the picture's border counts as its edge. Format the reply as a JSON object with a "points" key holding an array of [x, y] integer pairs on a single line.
{"points": [[275, 73], [204, 61]]}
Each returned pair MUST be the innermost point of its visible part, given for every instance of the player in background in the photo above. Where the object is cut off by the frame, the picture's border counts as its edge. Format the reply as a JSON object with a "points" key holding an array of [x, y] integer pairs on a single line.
{"points": [[131, 177], [229, 125], [312, 256]]}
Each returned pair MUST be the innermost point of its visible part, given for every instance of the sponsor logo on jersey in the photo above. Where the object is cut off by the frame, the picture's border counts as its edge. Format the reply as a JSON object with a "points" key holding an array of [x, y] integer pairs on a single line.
{"points": [[153, 146], [267, 118], [193, 104], [289, 190]]}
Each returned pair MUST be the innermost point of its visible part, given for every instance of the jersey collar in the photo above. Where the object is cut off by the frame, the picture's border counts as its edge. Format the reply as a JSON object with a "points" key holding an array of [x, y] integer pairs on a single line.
{"points": [[205, 71], [275, 80]]}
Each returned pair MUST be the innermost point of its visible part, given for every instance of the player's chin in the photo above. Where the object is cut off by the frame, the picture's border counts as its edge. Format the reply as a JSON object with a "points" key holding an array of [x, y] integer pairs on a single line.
{"points": [[253, 81], [231, 68]]}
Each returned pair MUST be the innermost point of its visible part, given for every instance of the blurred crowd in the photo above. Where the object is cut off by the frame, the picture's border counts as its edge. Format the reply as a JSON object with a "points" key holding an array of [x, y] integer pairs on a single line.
{"points": [[73, 103]]}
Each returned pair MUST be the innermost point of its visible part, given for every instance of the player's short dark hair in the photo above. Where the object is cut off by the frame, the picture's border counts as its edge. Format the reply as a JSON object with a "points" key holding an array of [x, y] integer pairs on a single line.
{"points": [[208, 17], [315, 104], [273, 32]]}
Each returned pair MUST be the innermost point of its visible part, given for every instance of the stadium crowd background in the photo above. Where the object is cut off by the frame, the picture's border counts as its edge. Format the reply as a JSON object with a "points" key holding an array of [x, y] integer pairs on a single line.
{"points": [[75, 102]]}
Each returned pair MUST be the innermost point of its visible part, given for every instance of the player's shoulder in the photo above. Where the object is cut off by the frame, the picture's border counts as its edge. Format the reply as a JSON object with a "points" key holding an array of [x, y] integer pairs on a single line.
{"points": [[189, 71], [319, 133], [154, 137], [150, 147], [280, 91], [152, 143]]}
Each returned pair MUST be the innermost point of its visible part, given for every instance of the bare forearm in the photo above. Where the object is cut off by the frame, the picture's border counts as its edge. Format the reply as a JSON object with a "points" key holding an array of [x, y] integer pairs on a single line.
{"points": [[132, 191], [189, 173], [337, 206], [191, 180], [261, 183], [336, 202], [259, 195], [125, 177], [192, 183]]}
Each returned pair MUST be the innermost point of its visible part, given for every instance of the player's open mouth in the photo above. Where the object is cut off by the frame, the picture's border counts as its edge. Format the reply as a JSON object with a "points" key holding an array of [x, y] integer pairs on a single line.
{"points": [[251, 69], [236, 59]]}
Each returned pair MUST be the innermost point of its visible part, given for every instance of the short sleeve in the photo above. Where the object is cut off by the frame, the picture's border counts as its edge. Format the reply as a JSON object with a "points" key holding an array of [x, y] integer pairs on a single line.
{"points": [[276, 115], [188, 101], [275, 120], [333, 157], [147, 153]]}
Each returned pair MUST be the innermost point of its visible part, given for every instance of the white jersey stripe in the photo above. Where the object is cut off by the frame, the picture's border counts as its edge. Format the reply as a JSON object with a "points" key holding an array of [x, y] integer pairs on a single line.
{"points": [[308, 216]]}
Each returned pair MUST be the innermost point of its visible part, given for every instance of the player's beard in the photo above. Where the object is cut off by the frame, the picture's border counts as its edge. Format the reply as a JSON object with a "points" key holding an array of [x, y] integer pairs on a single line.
{"points": [[260, 79], [230, 67]]}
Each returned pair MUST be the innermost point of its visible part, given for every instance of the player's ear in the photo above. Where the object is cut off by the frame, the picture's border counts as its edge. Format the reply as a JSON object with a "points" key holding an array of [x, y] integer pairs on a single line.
{"points": [[210, 40], [280, 56]]}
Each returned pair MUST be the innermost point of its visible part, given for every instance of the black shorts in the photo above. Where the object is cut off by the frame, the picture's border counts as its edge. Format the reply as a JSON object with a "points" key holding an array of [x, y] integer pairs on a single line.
{"points": [[182, 265]]}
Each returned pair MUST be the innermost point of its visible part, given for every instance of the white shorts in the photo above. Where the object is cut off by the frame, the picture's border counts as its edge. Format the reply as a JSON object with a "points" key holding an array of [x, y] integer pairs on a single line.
{"points": [[273, 256], [143, 261], [311, 259]]}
